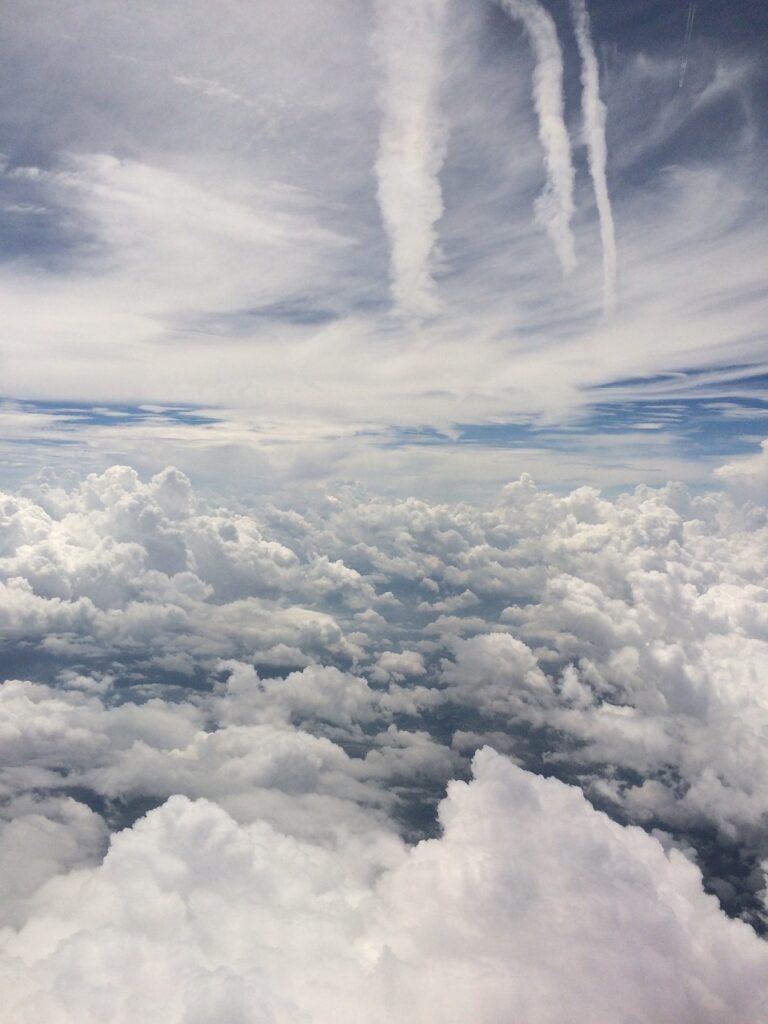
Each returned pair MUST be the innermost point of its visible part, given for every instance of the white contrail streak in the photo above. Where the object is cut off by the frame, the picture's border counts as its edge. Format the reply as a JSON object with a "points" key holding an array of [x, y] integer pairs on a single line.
{"points": [[409, 41], [686, 43], [593, 110], [554, 207]]}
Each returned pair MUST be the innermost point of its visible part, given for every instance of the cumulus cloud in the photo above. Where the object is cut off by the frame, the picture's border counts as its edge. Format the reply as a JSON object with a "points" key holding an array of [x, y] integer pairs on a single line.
{"points": [[747, 477], [513, 609], [193, 917], [226, 731], [41, 838]]}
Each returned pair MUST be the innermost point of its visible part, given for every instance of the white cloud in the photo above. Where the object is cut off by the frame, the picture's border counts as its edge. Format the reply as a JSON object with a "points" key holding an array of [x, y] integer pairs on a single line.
{"points": [[632, 626], [41, 838], [747, 477], [495, 673], [410, 43], [261, 700], [182, 224], [555, 206], [318, 674], [193, 917]]}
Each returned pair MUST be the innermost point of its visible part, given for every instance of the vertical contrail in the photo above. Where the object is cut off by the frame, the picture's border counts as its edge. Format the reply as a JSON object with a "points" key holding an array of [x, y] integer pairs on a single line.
{"points": [[687, 43], [593, 110], [554, 208], [409, 41]]}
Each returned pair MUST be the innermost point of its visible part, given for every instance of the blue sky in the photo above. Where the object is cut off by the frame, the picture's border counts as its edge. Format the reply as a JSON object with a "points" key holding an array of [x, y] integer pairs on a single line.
{"points": [[335, 241]]}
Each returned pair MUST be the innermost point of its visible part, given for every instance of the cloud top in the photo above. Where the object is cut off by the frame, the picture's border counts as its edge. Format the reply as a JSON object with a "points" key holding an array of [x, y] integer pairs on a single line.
{"points": [[529, 903]]}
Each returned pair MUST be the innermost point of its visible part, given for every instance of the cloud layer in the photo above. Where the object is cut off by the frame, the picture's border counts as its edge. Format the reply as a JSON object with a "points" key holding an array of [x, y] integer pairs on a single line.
{"points": [[254, 185], [285, 694], [594, 114], [529, 903]]}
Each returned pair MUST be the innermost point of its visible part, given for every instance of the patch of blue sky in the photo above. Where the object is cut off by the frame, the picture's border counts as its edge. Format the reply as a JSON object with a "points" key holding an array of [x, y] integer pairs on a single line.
{"points": [[694, 428], [240, 322], [49, 442], [71, 415], [422, 436], [738, 377]]}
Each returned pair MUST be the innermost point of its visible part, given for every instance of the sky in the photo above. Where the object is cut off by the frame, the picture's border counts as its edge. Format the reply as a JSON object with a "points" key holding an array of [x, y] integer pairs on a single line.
{"points": [[383, 512], [426, 243]]}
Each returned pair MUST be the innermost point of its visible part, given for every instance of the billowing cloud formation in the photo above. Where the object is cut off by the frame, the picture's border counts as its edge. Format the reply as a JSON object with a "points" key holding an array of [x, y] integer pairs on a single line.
{"points": [[288, 691], [632, 627], [747, 477], [530, 903]]}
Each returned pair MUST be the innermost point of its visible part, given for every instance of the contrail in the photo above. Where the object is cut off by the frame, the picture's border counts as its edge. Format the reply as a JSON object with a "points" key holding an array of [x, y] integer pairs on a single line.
{"points": [[687, 43], [593, 110], [409, 41], [554, 208]]}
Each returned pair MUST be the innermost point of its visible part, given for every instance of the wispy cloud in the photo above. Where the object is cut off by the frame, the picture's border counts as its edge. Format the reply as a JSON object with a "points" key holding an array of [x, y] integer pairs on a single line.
{"points": [[211, 88], [687, 43], [554, 208], [233, 257], [409, 41], [594, 135]]}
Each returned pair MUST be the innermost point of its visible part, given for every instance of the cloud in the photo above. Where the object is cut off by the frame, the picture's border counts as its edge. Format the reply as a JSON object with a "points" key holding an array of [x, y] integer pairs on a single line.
{"points": [[594, 114], [747, 477], [554, 208], [292, 689], [333, 719], [410, 42], [176, 223], [195, 917], [41, 838], [366, 646], [495, 673]]}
